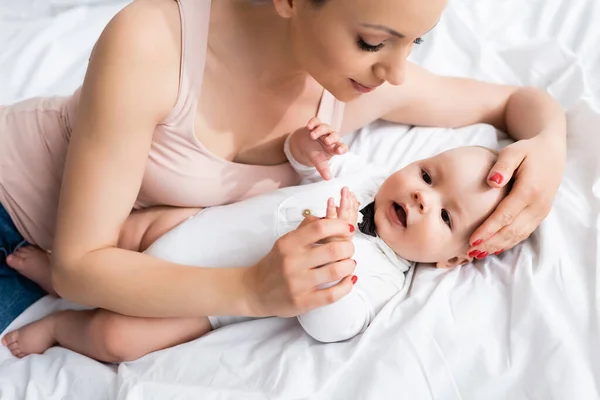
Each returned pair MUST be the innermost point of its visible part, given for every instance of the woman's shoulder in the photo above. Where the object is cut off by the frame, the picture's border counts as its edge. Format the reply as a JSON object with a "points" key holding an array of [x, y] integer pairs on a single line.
{"points": [[140, 51], [148, 25]]}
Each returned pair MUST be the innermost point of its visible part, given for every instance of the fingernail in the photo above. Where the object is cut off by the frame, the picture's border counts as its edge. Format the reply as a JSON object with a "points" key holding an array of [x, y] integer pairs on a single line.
{"points": [[477, 242], [496, 177], [482, 256], [354, 262], [354, 279], [474, 253], [351, 228], [499, 252]]}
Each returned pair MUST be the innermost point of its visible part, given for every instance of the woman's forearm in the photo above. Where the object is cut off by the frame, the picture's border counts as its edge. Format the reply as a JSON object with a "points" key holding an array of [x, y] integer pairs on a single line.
{"points": [[137, 284], [530, 112]]}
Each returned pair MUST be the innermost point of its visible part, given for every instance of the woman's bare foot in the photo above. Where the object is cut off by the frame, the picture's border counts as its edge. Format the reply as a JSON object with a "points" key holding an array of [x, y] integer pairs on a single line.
{"points": [[33, 263], [34, 338]]}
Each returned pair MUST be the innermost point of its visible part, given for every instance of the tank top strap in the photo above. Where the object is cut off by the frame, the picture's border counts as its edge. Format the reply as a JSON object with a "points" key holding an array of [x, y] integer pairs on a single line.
{"points": [[331, 111], [195, 20]]}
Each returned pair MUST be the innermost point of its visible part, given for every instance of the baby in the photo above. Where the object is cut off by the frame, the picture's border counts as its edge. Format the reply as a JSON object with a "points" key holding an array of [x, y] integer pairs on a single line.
{"points": [[424, 212]]}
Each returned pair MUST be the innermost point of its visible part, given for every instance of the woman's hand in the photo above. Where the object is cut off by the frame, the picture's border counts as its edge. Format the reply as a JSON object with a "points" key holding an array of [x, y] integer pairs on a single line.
{"points": [[315, 145], [284, 283], [537, 167]]}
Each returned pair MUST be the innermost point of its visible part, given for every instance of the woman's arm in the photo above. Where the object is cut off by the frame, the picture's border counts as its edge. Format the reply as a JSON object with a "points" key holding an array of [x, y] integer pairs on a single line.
{"points": [[130, 86], [527, 114]]}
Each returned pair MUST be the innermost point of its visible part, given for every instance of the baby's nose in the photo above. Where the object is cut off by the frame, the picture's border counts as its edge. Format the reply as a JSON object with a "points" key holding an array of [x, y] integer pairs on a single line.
{"points": [[421, 201]]}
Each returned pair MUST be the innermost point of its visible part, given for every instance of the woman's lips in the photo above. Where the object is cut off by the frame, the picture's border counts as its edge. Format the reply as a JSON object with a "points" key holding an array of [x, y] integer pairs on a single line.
{"points": [[362, 88]]}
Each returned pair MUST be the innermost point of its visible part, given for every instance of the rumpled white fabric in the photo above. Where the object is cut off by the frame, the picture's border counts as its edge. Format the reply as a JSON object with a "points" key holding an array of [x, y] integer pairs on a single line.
{"points": [[520, 326]]}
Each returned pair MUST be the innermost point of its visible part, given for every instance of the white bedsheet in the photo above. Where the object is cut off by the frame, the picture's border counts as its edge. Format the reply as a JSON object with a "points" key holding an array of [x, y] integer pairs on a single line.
{"points": [[520, 326]]}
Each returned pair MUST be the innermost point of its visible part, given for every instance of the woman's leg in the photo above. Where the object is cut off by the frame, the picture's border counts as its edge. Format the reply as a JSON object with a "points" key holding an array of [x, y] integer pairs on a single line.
{"points": [[16, 292], [104, 335]]}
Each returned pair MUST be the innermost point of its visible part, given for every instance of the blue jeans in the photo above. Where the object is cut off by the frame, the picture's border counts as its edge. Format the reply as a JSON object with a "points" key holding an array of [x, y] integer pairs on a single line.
{"points": [[16, 292]]}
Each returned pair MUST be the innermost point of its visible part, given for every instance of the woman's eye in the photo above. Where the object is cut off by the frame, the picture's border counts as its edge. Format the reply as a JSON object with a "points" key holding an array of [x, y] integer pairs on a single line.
{"points": [[368, 47], [426, 177], [418, 41], [446, 218]]}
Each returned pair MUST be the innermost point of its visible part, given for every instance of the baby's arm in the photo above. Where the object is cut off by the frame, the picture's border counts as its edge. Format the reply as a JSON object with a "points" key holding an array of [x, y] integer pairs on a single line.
{"points": [[352, 314], [144, 227]]}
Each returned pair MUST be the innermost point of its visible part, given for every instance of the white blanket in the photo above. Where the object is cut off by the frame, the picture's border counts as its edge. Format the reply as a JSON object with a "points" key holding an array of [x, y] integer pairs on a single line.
{"points": [[520, 326]]}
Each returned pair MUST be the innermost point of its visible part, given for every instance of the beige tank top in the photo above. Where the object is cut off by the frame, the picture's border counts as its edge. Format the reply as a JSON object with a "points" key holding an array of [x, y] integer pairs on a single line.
{"points": [[180, 171]]}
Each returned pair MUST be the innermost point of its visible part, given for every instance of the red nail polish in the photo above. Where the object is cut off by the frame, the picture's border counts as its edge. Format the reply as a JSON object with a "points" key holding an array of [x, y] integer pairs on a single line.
{"points": [[496, 177], [354, 279], [499, 252], [482, 256], [474, 253], [354, 262], [351, 228], [477, 242]]}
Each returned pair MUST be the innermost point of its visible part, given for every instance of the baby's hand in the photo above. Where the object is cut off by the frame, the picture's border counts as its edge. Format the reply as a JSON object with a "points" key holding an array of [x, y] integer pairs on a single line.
{"points": [[347, 211], [315, 145]]}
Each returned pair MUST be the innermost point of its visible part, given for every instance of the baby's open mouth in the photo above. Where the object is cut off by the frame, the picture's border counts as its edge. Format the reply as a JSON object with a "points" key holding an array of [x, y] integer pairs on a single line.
{"points": [[401, 213]]}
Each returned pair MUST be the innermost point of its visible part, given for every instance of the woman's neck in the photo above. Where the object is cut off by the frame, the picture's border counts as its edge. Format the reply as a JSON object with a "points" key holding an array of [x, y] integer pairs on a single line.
{"points": [[251, 39]]}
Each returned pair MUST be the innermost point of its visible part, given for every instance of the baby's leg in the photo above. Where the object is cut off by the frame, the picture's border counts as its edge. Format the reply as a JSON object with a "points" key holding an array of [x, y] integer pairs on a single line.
{"points": [[104, 335], [144, 227], [34, 264]]}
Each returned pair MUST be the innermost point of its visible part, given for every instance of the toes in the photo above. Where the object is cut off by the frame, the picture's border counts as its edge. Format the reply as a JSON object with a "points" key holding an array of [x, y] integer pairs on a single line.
{"points": [[14, 347], [10, 338], [15, 260]]}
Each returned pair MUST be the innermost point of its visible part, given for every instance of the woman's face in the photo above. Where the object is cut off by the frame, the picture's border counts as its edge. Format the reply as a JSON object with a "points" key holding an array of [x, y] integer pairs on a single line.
{"points": [[352, 46]]}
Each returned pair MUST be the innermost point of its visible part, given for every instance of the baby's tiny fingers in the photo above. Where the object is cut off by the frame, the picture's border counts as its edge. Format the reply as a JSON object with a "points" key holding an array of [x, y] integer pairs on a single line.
{"points": [[331, 208], [313, 123], [340, 149], [320, 130], [331, 138]]}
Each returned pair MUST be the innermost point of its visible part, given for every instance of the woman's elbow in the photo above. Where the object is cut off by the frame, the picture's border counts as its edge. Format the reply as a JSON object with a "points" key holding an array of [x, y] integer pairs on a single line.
{"points": [[63, 274]]}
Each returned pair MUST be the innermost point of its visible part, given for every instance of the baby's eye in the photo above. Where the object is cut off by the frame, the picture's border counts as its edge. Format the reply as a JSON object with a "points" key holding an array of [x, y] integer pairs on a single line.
{"points": [[426, 177], [446, 218]]}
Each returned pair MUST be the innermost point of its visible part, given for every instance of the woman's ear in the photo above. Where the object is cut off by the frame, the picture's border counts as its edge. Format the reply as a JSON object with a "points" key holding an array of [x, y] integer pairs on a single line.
{"points": [[285, 8], [454, 261]]}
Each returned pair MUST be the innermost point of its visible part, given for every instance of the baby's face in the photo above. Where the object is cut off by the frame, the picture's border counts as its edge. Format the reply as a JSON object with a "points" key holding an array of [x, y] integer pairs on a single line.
{"points": [[427, 211]]}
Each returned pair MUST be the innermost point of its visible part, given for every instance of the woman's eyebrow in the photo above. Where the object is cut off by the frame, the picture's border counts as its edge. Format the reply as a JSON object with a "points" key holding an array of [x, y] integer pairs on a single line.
{"points": [[386, 29], [390, 30]]}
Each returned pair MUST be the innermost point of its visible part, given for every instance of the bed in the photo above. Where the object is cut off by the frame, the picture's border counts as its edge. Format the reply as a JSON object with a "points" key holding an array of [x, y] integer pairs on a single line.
{"points": [[523, 325]]}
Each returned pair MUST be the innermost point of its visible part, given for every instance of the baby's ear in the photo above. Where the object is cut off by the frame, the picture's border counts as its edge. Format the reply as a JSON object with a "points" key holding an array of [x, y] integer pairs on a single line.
{"points": [[454, 261]]}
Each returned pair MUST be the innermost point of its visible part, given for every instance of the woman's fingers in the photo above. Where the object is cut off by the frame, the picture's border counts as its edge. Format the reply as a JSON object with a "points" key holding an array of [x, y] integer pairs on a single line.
{"points": [[509, 160], [322, 297], [315, 231], [508, 209], [510, 235], [332, 272], [330, 252]]}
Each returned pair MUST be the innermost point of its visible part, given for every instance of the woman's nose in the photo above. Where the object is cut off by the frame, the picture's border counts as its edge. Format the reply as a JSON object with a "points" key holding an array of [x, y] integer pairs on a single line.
{"points": [[393, 69]]}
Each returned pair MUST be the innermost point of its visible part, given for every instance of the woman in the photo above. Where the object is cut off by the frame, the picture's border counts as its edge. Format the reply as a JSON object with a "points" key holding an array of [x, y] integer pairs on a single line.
{"points": [[188, 103]]}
